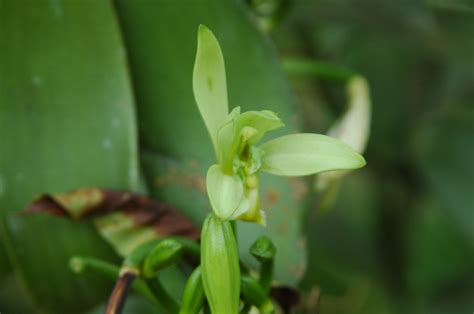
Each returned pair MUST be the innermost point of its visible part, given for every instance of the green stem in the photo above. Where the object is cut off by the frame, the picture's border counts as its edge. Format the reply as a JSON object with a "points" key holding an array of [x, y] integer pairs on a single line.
{"points": [[161, 294], [308, 67], [83, 264], [266, 275], [252, 291]]}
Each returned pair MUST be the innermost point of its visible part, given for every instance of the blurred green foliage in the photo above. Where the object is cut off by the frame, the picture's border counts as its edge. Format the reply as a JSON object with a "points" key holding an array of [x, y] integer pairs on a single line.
{"points": [[404, 224], [400, 237]]}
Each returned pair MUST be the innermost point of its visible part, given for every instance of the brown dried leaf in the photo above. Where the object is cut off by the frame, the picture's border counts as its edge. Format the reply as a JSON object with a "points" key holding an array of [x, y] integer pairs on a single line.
{"points": [[125, 219]]}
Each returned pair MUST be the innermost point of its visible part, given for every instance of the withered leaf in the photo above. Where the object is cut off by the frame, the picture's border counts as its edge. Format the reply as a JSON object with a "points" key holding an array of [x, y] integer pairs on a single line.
{"points": [[124, 219]]}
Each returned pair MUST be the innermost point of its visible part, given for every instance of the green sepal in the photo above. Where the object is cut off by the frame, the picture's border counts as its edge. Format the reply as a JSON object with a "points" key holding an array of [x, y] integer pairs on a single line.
{"points": [[306, 153], [209, 82]]}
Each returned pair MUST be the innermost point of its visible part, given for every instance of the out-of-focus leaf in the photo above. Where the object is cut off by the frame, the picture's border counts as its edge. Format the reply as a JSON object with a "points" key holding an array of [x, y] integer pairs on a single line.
{"points": [[126, 220], [362, 297], [161, 63], [438, 255], [5, 267], [13, 298], [66, 121], [444, 152], [134, 304], [343, 242]]}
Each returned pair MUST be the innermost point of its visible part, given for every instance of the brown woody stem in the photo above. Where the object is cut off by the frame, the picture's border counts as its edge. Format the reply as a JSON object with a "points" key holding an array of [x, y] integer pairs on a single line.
{"points": [[119, 293]]}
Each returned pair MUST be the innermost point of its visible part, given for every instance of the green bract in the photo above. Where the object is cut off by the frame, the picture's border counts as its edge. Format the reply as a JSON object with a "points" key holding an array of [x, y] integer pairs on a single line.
{"points": [[220, 265], [232, 183]]}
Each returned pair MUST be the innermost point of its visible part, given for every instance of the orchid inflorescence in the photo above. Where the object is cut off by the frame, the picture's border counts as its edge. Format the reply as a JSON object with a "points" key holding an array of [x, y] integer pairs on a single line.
{"points": [[233, 182]]}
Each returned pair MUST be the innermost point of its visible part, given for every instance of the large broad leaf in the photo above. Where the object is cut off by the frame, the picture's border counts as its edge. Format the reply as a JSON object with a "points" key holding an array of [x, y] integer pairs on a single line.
{"points": [[66, 121], [161, 39]]}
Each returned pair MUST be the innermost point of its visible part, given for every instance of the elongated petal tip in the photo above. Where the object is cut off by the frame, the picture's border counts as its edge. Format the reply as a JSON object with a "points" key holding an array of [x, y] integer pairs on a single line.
{"points": [[202, 28], [363, 162]]}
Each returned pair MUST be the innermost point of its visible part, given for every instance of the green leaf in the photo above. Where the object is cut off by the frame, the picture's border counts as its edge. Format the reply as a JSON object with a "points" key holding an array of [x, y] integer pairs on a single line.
{"points": [[430, 231], [226, 192], [305, 154], [444, 154], [209, 82], [220, 265], [67, 120]]}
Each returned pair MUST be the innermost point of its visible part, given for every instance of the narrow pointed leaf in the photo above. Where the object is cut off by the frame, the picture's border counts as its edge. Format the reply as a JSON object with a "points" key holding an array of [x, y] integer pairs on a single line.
{"points": [[305, 154], [209, 82], [226, 192], [220, 266]]}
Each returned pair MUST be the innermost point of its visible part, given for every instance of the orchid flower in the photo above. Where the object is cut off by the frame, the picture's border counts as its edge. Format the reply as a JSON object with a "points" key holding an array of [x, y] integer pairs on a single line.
{"points": [[232, 183]]}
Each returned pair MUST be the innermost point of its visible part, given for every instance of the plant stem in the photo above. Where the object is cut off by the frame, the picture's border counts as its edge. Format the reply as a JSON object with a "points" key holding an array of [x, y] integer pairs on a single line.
{"points": [[252, 291], [308, 67], [266, 275], [82, 264], [119, 294], [162, 295]]}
